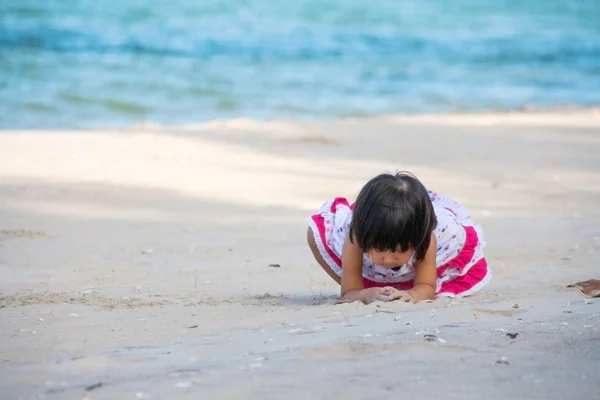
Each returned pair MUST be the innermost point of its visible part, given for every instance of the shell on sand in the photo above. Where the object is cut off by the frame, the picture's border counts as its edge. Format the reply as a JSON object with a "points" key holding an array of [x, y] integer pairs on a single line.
{"points": [[590, 287]]}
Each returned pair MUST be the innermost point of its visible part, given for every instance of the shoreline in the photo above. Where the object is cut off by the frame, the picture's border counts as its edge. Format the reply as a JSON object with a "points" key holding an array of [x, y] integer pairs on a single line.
{"points": [[526, 113], [556, 115]]}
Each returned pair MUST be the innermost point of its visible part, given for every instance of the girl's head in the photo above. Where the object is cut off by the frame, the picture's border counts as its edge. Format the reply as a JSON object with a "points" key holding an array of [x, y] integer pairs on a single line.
{"points": [[393, 219]]}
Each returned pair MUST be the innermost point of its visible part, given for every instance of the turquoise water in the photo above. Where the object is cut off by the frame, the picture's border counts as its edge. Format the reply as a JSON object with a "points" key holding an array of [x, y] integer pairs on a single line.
{"points": [[87, 63]]}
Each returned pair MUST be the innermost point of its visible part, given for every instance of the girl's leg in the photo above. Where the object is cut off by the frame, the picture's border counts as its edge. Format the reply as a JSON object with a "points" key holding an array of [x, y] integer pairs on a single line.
{"points": [[315, 250]]}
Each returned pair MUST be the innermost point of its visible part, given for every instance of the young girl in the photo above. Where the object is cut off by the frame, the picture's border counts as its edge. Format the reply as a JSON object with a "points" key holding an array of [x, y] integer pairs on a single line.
{"points": [[399, 242]]}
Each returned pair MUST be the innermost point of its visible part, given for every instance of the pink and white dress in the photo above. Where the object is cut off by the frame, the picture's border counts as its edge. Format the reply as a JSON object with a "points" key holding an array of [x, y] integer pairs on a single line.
{"points": [[461, 267]]}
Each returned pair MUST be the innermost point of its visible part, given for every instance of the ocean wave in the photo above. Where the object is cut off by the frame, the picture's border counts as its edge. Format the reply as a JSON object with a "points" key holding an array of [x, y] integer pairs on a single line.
{"points": [[303, 46]]}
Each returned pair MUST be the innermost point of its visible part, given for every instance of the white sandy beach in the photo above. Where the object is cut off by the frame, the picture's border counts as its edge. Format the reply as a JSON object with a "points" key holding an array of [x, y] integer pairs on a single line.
{"points": [[136, 262]]}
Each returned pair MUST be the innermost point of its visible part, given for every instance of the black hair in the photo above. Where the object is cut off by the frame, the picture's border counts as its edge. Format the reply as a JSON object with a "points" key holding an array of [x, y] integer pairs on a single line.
{"points": [[391, 211]]}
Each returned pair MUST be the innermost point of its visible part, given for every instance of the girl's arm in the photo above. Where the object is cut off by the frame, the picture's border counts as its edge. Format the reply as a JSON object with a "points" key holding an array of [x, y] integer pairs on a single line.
{"points": [[352, 262], [425, 275], [352, 279]]}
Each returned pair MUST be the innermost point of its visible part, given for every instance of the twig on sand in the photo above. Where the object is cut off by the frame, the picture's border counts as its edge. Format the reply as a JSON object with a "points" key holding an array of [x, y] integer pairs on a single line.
{"points": [[94, 386], [347, 321]]}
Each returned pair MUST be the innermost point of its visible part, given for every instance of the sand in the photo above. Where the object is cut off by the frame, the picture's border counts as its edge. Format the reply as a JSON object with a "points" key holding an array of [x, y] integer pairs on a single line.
{"points": [[138, 262]]}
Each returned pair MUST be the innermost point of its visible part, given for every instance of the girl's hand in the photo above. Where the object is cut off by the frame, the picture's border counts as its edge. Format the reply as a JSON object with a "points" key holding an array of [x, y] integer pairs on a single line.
{"points": [[385, 294], [401, 295]]}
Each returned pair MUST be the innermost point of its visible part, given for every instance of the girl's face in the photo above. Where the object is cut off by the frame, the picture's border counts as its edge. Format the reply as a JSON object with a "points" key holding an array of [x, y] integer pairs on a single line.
{"points": [[391, 259]]}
